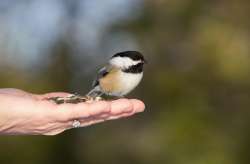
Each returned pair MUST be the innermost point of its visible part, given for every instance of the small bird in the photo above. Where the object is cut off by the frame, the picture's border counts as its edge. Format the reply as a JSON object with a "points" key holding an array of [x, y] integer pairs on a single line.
{"points": [[120, 76]]}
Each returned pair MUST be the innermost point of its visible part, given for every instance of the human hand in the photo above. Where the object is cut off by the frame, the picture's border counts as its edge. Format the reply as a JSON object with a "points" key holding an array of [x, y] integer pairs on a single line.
{"points": [[23, 113]]}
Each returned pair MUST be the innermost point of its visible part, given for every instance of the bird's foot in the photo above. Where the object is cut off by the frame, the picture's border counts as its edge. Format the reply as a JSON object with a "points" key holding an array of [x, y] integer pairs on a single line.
{"points": [[91, 99]]}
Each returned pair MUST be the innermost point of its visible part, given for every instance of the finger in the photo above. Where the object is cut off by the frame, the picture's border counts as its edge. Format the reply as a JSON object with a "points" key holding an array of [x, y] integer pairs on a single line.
{"points": [[119, 109], [84, 122], [120, 116], [121, 106], [101, 118], [13, 91], [138, 105], [53, 94], [68, 112], [91, 121]]}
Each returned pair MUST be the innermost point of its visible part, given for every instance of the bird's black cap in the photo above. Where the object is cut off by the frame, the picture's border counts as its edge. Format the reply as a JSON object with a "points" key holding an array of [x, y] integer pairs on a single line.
{"points": [[134, 55]]}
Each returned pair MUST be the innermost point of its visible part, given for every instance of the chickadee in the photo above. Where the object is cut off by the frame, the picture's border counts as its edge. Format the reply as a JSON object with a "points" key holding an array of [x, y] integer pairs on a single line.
{"points": [[120, 76]]}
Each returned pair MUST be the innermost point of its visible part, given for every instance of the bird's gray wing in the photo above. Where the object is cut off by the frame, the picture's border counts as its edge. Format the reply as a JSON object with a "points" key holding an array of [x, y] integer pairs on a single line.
{"points": [[101, 73]]}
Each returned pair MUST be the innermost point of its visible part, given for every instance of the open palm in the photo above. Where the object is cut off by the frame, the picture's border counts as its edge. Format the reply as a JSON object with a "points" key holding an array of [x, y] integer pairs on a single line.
{"points": [[30, 114]]}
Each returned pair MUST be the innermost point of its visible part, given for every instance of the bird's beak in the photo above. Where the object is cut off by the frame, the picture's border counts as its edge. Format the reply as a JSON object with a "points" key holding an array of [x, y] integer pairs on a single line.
{"points": [[145, 61]]}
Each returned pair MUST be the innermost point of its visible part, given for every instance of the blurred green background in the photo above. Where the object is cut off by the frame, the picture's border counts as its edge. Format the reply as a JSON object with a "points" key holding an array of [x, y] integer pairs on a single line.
{"points": [[196, 86]]}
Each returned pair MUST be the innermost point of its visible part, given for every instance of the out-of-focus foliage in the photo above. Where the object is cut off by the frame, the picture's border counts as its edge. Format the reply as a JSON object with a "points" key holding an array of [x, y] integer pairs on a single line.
{"points": [[196, 86]]}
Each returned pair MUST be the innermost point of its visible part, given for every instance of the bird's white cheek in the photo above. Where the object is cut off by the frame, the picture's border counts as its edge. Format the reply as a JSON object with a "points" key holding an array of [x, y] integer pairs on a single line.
{"points": [[123, 62]]}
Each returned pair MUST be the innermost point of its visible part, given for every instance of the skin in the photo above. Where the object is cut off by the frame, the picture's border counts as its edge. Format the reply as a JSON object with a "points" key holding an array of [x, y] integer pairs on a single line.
{"points": [[23, 113]]}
